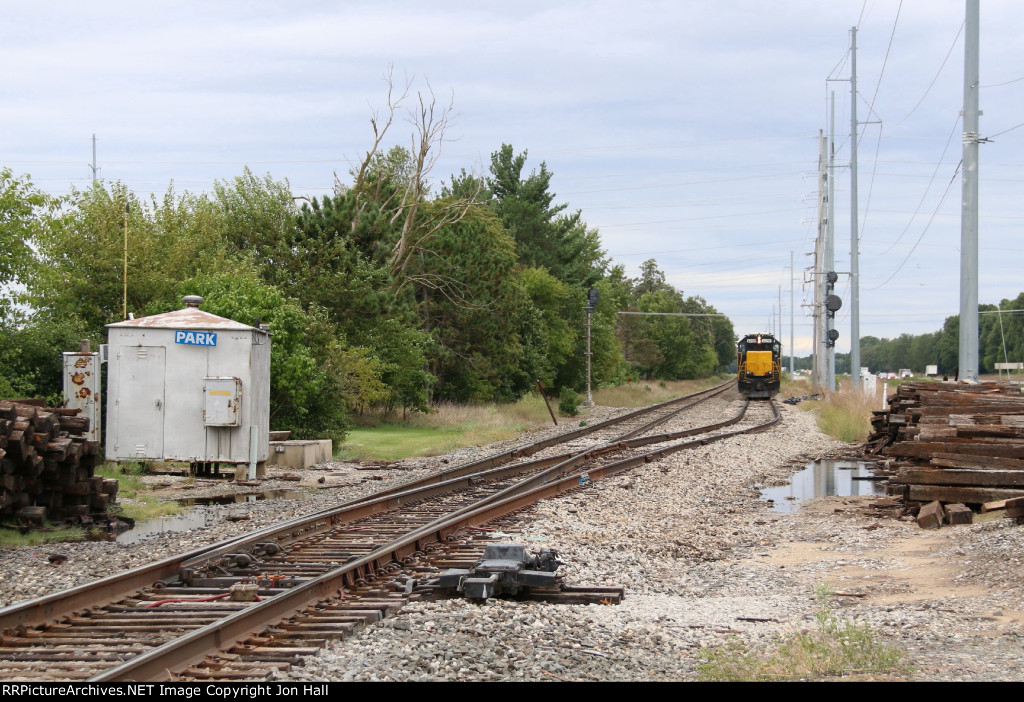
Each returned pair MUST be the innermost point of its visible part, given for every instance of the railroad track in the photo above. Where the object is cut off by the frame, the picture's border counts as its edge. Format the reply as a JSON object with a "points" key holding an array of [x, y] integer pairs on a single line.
{"points": [[271, 597]]}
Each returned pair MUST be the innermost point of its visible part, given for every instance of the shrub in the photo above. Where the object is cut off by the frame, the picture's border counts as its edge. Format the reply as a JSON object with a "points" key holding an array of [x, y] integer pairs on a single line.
{"points": [[568, 402]]}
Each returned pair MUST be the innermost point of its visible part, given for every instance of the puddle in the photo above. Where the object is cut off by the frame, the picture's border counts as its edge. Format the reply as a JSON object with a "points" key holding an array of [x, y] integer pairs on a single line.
{"points": [[190, 519], [235, 499], [161, 525], [825, 478]]}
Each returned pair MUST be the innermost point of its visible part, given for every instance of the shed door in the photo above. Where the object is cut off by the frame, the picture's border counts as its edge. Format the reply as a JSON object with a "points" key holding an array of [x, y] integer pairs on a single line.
{"points": [[141, 402]]}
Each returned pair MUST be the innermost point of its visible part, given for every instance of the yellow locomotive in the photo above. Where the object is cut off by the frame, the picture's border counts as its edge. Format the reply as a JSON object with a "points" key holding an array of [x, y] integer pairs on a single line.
{"points": [[758, 365]]}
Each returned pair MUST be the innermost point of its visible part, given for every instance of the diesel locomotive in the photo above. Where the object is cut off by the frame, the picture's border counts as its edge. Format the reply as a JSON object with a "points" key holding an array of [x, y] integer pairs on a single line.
{"points": [[758, 365]]}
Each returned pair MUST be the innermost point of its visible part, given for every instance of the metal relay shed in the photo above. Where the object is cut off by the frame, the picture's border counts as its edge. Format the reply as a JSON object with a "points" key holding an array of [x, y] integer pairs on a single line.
{"points": [[188, 386]]}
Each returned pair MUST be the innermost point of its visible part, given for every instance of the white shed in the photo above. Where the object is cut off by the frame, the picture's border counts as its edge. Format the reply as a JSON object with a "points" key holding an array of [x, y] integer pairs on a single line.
{"points": [[188, 386]]}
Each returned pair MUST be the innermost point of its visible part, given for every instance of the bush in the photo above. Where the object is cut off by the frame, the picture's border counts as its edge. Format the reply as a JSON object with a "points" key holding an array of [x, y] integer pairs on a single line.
{"points": [[568, 402]]}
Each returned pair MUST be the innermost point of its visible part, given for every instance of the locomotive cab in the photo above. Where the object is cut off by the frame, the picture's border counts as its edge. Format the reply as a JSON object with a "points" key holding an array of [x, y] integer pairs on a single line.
{"points": [[758, 365]]}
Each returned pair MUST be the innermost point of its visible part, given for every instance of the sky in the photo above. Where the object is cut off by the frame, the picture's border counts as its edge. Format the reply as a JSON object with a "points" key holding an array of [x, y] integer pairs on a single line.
{"points": [[683, 131]]}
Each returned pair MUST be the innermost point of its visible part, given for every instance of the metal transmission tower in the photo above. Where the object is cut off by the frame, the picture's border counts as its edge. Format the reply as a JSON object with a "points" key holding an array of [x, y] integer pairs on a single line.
{"points": [[969, 209]]}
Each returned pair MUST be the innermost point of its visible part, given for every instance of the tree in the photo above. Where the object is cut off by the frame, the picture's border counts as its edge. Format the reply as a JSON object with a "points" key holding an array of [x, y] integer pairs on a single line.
{"points": [[257, 216], [472, 305], [314, 378], [396, 182], [666, 345], [21, 206], [544, 236], [81, 251]]}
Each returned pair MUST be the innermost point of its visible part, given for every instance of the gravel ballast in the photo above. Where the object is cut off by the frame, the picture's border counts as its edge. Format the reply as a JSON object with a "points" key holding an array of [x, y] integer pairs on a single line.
{"points": [[702, 559]]}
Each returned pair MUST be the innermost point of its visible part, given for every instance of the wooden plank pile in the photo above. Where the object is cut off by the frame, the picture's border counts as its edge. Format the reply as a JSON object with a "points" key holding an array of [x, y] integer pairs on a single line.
{"points": [[953, 444], [47, 464]]}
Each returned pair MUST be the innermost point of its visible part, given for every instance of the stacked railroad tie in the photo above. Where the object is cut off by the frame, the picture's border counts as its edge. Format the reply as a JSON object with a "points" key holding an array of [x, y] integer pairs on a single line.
{"points": [[952, 445], [46, 465]]}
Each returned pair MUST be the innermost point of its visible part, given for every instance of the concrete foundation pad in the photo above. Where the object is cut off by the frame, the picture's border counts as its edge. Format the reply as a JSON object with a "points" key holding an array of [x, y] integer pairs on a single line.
{"points": [[300, 454]]}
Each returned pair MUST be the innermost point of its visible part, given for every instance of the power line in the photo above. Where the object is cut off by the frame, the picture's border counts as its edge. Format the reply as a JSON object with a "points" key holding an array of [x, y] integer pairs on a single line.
{"points": [[937, 74], [927, 189], [923, 232], [1006, 130]]}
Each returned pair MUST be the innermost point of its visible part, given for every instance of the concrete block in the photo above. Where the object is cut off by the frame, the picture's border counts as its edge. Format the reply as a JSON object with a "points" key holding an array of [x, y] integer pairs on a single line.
{"points": [[298, 454]]}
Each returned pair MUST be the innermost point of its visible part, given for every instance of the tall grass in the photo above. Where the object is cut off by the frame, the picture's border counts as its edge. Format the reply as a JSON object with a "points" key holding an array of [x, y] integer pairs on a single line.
{"points": [[845, 414]]}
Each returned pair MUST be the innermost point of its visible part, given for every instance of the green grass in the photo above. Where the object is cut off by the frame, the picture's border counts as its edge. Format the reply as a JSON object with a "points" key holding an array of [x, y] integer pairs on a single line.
{"points": [[143, 507], [12, 538], [450, 426], [391, 442], [834, 648], [129, 484], [131, 487], [446, 427]]}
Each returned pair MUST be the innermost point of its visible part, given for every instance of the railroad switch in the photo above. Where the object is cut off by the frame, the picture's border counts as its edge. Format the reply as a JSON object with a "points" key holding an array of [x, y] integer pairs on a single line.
{"points": [[504, 569]]}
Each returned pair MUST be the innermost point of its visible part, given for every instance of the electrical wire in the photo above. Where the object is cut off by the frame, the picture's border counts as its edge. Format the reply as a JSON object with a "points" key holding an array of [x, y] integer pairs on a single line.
{"points": [[923, 231], [1005, 131], [871, 111], [999, 85], [937, 74], [885, 61], [935, 173]]}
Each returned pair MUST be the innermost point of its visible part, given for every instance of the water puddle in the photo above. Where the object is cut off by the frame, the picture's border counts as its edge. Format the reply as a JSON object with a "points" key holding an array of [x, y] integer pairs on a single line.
{"points": [[190, 519], [161, 525], [825, 478], [235, 499]]}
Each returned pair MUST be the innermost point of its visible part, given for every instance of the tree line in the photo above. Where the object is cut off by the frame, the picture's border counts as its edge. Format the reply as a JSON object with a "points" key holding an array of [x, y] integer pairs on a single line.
{"points": [[387, 294], [1000, 340]]}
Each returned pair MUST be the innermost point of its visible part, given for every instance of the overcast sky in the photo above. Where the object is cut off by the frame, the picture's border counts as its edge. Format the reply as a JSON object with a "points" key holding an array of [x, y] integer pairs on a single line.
{"points": [[683, 131]]}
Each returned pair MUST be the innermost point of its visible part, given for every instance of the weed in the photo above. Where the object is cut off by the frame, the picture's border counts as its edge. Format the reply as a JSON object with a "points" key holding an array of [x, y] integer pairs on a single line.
{"points": [[845, 414], [835, 648]]}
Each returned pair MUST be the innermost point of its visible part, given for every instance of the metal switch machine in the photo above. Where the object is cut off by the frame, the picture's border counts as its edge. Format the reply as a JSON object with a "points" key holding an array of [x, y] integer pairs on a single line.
{"points": [[504, 569]]}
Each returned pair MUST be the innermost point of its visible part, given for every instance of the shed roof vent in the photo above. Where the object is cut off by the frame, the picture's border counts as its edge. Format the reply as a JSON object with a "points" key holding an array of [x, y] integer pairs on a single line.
{"points": [[192, 300]]}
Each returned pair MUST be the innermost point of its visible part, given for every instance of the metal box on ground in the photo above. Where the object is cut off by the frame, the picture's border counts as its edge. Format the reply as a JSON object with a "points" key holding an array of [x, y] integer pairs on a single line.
{"points": [[188, 386], [82, 387]]}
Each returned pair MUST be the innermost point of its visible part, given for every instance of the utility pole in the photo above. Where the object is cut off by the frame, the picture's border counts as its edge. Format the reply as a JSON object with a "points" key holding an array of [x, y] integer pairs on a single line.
{"points": [[830, 238], [779, 333], [792, 317], [124, 310], [592, 298], [818, 275], [969, 209], [854, 226], [93, 158]]}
